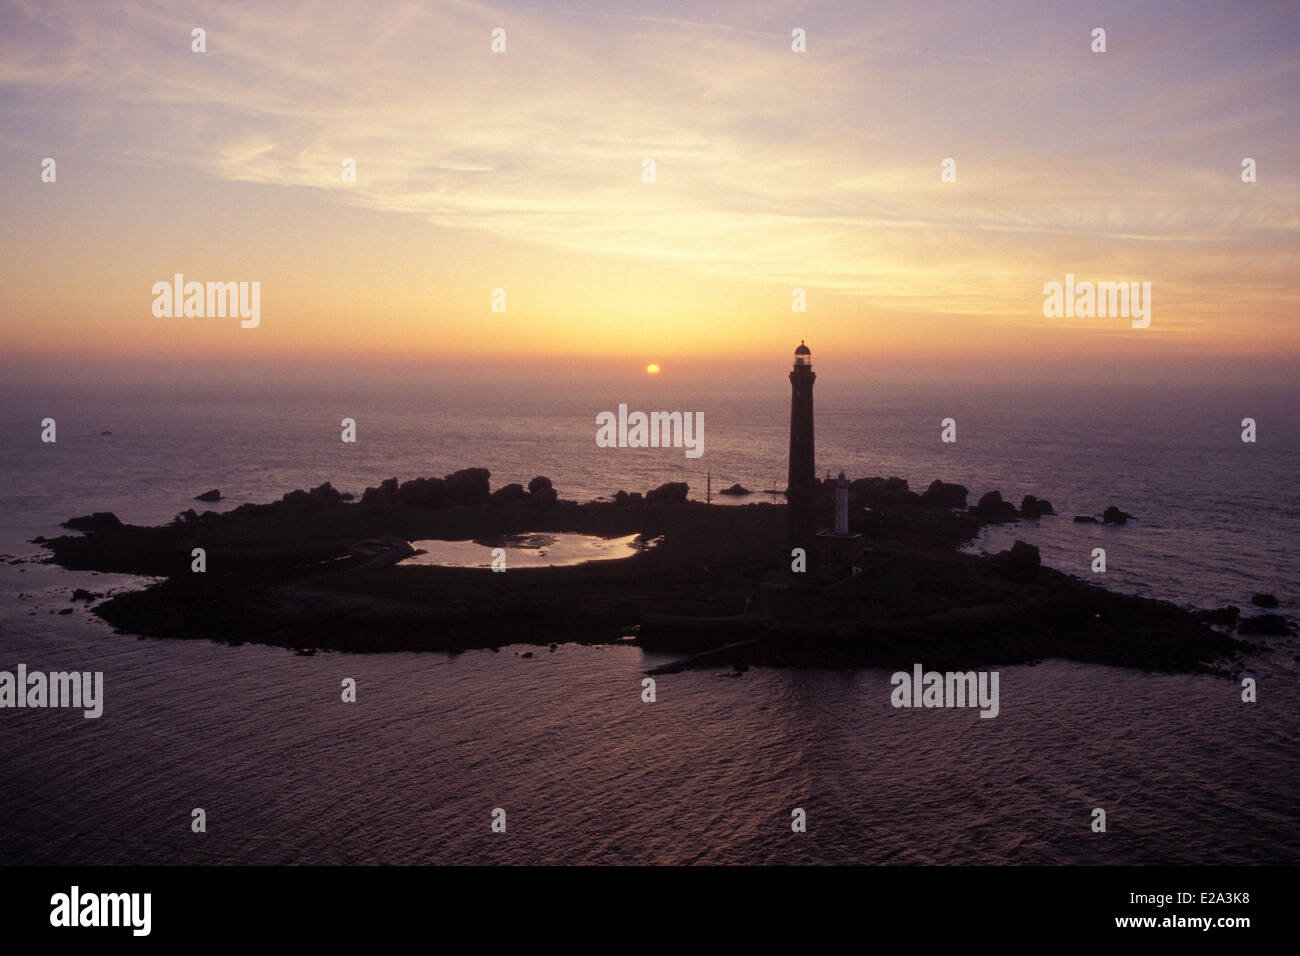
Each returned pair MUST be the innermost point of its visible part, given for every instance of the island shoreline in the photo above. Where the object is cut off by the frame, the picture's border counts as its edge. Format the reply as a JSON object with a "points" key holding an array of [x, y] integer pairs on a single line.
{"points": [[315, 571]]}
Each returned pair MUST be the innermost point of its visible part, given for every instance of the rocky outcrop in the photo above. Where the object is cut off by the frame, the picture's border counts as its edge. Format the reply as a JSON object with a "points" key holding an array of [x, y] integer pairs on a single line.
{"points": [[1113, 515], [1032, 507], [213, 495], [541, 492], [670, 492], [423, 493], [319, 577], [99, 521], [942, 494], [325, 494], [1019, 563], [509, 494], [1264, 600], [385, 494], [991, 505], [469, 486], [737, 490], [322, 496], [879, 489]]}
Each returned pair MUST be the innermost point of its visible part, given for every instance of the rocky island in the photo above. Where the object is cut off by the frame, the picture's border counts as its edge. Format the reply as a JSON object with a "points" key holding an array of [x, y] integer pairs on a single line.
{"points": [[320, 570]]}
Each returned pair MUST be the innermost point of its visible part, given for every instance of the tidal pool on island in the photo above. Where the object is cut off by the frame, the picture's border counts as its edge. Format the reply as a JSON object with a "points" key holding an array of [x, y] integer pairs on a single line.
{"points": [[529, 550]]}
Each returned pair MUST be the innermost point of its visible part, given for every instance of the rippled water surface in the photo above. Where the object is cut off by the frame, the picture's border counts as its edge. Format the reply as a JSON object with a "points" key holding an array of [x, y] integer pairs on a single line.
{"points": [[711, 770]]}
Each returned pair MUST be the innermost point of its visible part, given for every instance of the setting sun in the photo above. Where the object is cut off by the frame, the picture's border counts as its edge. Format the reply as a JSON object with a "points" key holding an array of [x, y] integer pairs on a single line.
{"points": [[652, 369]]}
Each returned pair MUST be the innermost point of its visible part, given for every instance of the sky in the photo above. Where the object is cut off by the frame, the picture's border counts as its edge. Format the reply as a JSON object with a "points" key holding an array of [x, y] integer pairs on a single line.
{"points": [[524, 171]]}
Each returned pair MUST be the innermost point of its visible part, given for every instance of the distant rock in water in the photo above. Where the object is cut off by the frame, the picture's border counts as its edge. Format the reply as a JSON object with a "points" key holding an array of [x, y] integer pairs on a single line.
{"points": [[1220, 617], [106, 432], [1020, 562], [1084, 519], [213, 495], [1273, 625], [991, 505], [81, 594], [1113, 515], [941, 494], [669, 492], [99, 521], [541, 492], [1263, 600], [737, 490], [1031, 507]]}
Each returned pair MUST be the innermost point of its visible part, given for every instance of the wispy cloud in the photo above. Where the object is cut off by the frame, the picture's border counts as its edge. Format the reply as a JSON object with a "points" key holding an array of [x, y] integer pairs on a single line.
{"points": [[818, 169]]}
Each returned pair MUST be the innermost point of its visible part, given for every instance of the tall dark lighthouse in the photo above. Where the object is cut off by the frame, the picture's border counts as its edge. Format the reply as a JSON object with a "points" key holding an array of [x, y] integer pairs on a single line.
{"points": [[801, 492]]}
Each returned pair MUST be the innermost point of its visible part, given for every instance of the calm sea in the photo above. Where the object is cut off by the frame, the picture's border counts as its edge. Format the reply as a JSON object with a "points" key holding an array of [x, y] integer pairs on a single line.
{"points": [[711, 771]]}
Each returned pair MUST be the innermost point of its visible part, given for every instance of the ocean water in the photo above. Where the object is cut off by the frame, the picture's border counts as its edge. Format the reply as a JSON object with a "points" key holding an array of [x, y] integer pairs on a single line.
{"points": [[710, 772]]}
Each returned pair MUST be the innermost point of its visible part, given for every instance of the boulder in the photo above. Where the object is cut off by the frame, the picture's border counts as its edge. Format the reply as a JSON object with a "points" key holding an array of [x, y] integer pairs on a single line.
{"points": [[99, 521], [991, 505], [672, 492], [385, 494], [892, 488], [1032, 507], [510, 494], [1020, 562], [469, 486], [297, 499], [81, 594], [325, 494], [213, 495], [541, 492], [623, 500], [736, 490], [1113, 515], [1264, 600], [421, 493], [941, 494]]}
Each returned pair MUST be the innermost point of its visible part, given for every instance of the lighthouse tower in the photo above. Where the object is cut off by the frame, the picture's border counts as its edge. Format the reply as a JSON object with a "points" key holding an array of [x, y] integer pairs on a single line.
{"points": [[801, 492]]}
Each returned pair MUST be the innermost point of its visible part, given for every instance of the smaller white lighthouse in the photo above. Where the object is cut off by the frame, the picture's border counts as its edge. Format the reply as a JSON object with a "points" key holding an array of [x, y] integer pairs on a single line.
{"points": [[836, 544]]}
